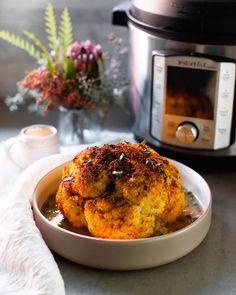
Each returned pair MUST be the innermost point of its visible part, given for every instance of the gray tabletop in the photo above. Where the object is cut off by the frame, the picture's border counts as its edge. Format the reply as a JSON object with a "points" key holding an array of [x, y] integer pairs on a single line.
{"points": [[209, 269]]}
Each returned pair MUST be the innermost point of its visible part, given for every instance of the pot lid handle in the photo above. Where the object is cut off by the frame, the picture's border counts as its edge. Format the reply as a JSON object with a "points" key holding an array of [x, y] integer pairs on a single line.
{"points": [[119, 14]]}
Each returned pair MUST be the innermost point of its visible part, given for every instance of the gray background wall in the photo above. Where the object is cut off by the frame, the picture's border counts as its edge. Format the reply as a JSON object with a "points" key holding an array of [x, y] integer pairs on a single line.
{"points": [[91, 20]]}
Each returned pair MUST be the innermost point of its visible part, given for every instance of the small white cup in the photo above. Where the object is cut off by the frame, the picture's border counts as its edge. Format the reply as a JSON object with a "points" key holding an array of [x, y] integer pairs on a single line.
{"points": [[33, 143]]}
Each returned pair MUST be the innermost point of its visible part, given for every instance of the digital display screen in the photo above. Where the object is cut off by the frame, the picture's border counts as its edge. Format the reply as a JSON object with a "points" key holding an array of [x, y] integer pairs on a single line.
{"points": [[191, 92]]}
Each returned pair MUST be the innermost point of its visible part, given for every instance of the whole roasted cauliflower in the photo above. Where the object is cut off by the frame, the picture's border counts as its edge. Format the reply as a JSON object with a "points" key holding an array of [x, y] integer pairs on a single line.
{"points": [[121, 191]]}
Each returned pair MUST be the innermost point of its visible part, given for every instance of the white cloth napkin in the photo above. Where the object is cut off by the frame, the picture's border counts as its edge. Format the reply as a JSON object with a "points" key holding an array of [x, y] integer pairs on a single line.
{"points": [[27, 266]]}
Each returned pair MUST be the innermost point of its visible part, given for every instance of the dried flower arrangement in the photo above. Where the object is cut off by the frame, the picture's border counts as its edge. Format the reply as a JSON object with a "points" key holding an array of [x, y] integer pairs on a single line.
{"points": [[74, 75]]}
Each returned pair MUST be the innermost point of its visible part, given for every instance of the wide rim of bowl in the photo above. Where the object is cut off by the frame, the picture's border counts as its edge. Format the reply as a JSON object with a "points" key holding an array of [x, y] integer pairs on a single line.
{"points": [[127, 241]]}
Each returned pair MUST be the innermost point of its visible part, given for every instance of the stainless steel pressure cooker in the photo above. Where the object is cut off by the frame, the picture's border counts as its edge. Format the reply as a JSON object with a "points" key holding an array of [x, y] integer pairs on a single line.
{"points": [[182, 70]]}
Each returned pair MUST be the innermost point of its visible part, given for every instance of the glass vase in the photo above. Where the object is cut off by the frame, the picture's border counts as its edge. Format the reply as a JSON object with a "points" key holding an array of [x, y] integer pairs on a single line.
{"points": [[80, 126]]}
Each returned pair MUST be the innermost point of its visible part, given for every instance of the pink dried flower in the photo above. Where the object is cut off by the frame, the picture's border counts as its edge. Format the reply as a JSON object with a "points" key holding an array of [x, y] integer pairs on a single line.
{"points": [[86, 57], [88, 45]]}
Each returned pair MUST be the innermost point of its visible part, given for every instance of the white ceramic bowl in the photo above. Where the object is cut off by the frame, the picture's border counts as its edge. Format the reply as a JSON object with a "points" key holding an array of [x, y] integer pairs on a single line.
{"points": [[123, 254]]}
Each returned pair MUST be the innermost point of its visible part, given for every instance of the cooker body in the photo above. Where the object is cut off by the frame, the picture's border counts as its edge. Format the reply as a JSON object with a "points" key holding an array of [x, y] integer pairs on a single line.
{"points": [[142, 45]]}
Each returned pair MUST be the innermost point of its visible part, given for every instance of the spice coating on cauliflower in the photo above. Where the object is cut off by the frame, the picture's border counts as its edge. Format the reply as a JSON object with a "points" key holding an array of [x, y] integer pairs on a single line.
{"points": [[121, 191]]}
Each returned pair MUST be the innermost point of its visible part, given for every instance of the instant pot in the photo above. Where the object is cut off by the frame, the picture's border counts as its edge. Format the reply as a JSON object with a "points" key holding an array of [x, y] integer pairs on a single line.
{"points": [[182, 71]]}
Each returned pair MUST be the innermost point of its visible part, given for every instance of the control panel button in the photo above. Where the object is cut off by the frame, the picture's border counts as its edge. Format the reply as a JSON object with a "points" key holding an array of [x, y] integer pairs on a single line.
{"points": [[158, 85], [226, 76], [157, 103], [206, 128], [225, 94], [205, 140], [223, 113], [186, 133], [159, 67], [222, 130]]}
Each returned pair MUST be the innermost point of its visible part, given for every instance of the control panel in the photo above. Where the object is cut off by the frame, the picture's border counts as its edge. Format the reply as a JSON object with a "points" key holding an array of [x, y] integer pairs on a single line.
{"points": [[192, 101]]}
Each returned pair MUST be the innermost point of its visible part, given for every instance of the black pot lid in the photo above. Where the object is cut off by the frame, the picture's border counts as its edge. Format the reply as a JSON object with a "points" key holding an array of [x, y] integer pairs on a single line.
{"points": [[201, 21]]}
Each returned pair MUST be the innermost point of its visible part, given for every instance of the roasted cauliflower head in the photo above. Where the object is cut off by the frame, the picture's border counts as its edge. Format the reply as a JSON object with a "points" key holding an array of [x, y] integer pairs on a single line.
{"points": [[121, 191]]}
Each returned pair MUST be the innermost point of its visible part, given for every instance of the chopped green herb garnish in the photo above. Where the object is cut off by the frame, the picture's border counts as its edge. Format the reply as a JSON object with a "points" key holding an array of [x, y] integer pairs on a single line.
{"points": [[131, 181], [158, 165], [122, 156], [149, 162], [146, 151], [160, 169], [143, 142], [117, 173]]}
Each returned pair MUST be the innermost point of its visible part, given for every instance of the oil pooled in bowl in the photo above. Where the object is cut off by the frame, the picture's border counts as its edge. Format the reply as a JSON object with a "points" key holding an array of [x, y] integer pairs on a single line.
{"points": [[54, 215], [192, 211]]}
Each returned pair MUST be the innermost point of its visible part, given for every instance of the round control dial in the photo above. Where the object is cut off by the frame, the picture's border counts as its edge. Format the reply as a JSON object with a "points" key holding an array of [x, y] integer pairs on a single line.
{"points": [[186, 133]]}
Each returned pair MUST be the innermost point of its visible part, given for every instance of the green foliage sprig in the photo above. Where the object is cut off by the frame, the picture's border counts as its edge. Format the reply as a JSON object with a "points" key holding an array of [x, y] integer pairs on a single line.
{"points": [[51, 27], [21, 43], [65, 30], [53, 57]]}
